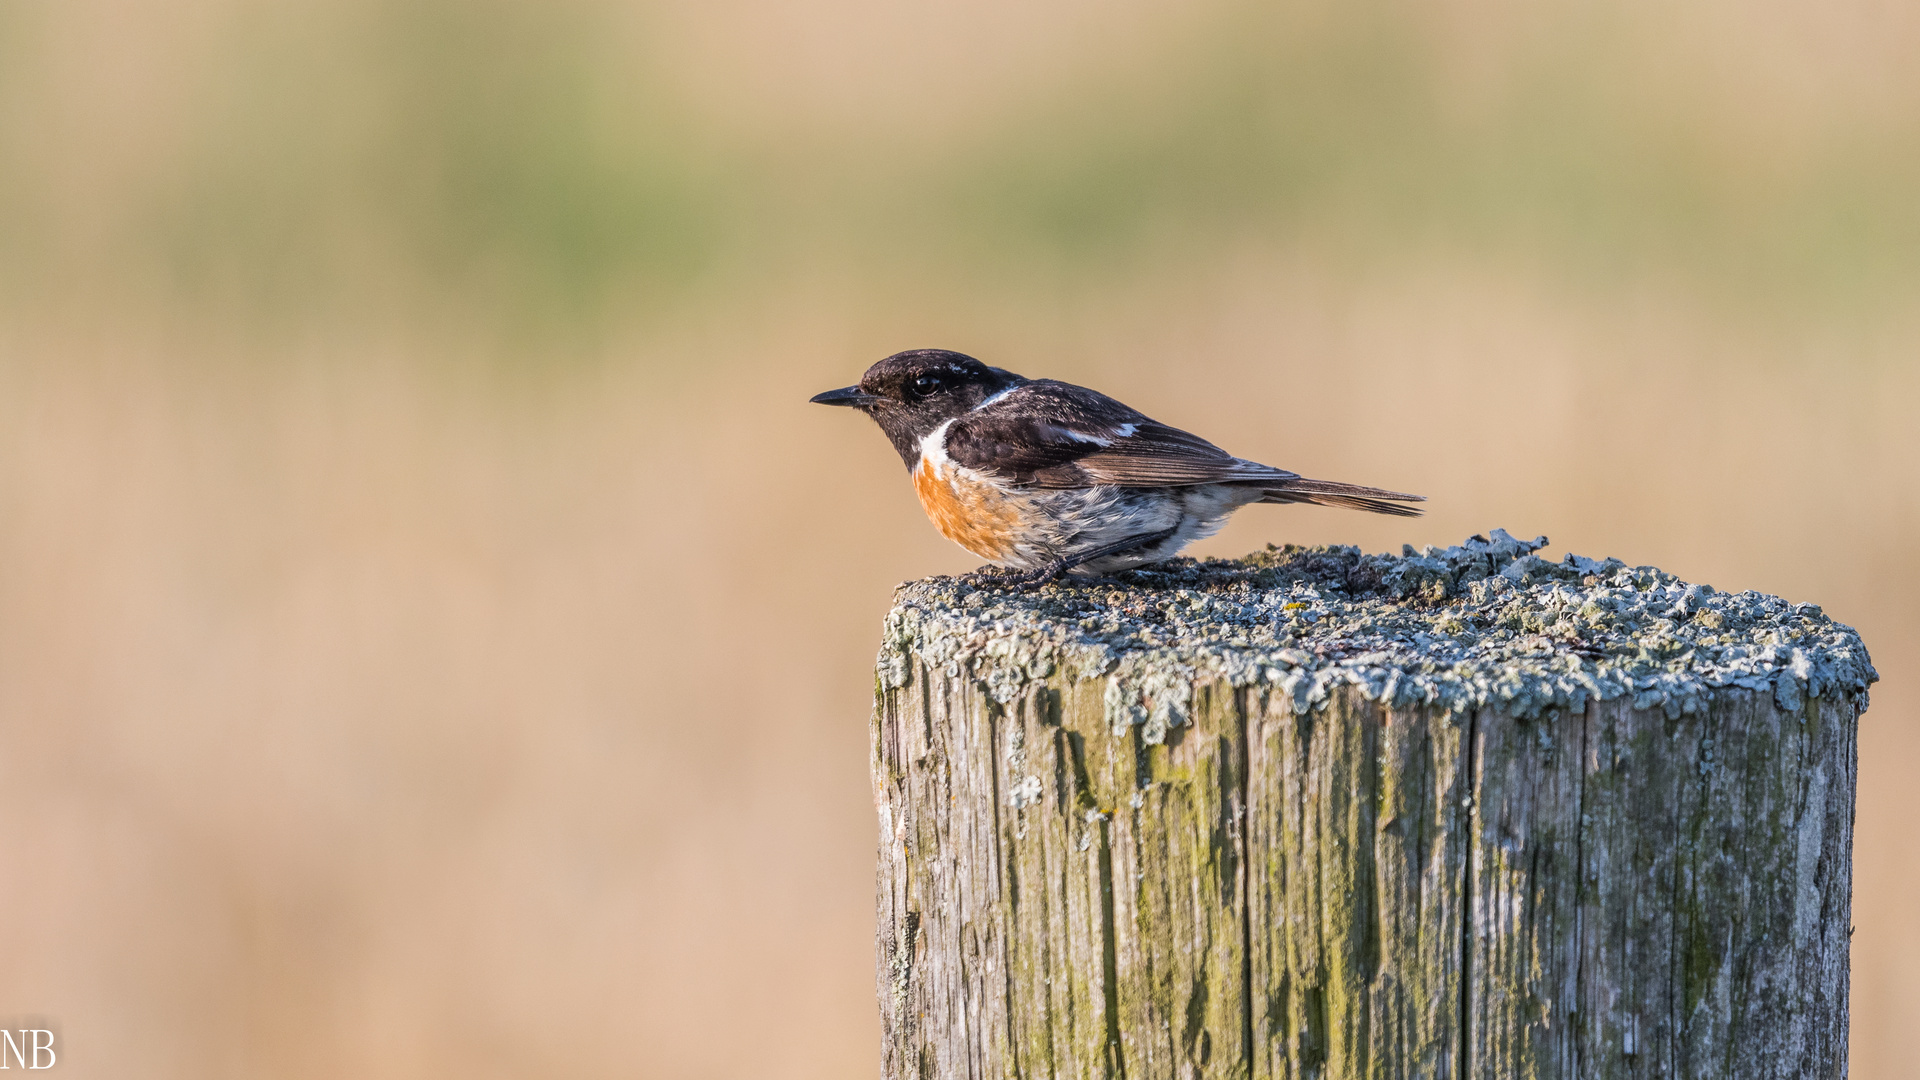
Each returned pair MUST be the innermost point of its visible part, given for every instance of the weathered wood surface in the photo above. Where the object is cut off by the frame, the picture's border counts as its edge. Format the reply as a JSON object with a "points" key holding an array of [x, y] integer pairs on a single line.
{"points": [[1163, 827]]}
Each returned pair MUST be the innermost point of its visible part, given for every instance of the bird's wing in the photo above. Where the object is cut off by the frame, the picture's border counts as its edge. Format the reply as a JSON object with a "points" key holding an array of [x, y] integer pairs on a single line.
{"points": [[1056, 435]]}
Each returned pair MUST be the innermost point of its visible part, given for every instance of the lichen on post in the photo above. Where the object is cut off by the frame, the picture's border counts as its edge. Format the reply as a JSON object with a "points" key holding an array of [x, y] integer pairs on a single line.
{"points": [[1314, 813]]}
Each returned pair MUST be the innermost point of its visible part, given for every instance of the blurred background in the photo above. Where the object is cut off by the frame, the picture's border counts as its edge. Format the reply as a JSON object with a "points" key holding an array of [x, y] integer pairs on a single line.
{"points": [[436, 633]]}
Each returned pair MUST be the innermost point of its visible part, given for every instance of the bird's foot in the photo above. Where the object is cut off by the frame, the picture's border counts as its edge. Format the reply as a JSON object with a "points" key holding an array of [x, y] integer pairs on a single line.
{"points": [[1017, 580], [1038, 576]]}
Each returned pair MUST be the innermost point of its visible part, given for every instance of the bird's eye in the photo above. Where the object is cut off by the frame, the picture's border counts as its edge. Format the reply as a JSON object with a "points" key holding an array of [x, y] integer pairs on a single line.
{"points": [[926, 386]]}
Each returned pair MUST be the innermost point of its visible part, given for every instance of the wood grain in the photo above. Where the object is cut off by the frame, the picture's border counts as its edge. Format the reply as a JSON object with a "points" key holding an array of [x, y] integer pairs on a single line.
{"points": [[1354, 890]]}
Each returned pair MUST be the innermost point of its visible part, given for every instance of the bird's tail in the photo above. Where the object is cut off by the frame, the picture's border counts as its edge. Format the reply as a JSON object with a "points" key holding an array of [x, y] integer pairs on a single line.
{"points": [[1352, 496]]}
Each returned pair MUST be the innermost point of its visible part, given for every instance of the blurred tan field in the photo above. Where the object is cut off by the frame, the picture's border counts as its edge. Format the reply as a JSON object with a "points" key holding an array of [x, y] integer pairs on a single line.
{"points": [[435, 632]]}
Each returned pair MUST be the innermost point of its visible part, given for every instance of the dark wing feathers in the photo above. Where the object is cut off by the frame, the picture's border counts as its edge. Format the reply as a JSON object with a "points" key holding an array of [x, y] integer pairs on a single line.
{"points": [[1056, 435], [1156, 455], [1017, 447], [1036, 429]]}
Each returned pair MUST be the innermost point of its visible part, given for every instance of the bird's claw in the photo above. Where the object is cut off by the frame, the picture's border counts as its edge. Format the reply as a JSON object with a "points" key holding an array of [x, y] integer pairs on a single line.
{"points": [[1015, 580]]}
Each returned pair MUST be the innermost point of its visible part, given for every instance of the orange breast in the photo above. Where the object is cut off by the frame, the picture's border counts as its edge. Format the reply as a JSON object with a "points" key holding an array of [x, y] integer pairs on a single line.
{"points": [[972, 513]]}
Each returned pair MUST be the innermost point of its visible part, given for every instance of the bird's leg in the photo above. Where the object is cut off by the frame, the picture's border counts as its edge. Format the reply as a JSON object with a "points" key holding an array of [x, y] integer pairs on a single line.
{"points": [[1034, 578], [990, 575], [1051, 571]]}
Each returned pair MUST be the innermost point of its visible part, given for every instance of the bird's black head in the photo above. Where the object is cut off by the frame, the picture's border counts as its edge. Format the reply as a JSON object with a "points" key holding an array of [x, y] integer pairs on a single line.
{"points": [[910, 394]]}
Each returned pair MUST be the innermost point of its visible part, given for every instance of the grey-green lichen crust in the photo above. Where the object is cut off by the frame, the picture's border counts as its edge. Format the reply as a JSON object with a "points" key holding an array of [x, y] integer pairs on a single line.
{"points": [[1485, 623]]}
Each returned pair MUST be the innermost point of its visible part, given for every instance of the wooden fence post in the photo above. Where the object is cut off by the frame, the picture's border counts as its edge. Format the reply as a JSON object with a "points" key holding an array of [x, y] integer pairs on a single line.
{"points": [[1314, 814]]}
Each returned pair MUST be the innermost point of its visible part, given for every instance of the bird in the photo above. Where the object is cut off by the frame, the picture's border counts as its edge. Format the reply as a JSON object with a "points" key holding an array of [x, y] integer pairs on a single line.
{"points": [[1043, 478]]}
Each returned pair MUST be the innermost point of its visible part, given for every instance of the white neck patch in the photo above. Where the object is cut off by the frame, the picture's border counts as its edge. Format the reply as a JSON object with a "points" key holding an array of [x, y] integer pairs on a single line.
{"points": [[933, 449]]}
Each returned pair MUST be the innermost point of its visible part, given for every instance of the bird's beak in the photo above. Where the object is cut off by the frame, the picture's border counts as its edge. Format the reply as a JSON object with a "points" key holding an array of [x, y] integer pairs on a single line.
{"points": [[846, 395]]}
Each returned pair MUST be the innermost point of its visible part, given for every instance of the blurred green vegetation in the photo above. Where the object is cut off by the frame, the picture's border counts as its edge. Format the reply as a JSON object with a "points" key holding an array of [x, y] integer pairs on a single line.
{"points": [[483, 146], [525, 166], [1341, 133]]}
